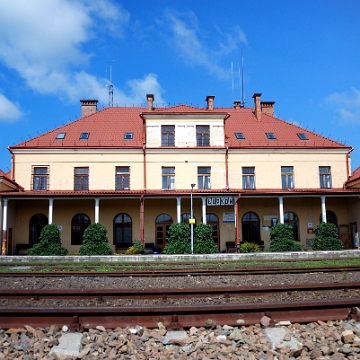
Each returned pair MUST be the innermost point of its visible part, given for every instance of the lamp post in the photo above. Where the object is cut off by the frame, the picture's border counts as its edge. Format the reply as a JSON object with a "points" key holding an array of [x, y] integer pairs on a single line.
{"points": [[191, 218]]}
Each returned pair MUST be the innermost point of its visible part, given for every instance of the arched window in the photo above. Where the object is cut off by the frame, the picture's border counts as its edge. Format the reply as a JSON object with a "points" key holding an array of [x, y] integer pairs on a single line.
{"points": [[122, 231], [213, 221], [330, 217], [251, 228], [290, 218], [78, 225], [162, 225], [185, 218], [37, 222]]}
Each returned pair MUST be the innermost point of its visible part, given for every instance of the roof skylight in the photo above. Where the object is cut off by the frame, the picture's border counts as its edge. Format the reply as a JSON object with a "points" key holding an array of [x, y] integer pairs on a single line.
{"points": [[128, 136], [84, 136], [302, 136], [60, 136], [240, 136], [270, 136]]}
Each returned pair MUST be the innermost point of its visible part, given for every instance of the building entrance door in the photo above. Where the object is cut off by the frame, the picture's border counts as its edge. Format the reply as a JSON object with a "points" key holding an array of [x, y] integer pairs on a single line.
{"points": [[163, 223]]}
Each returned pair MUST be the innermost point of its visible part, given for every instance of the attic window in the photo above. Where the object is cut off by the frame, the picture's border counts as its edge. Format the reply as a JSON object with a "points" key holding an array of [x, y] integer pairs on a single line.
{"points": [[128, 136], [270, 136], [302, 136], [240, 136], [84, 136], [60, 136]]}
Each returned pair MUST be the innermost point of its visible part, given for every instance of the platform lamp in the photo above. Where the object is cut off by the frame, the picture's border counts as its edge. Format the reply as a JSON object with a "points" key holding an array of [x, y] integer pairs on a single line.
{"points": [[192, 220]]}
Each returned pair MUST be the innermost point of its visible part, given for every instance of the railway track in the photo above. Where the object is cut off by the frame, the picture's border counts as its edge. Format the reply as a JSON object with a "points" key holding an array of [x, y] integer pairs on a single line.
{"points": [[234, 307], [29, 271]]}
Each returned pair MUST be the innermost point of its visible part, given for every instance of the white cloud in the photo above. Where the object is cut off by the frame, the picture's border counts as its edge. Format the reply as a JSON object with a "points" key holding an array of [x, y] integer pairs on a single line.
{"points": [[42, 40], [346, 105], [138, 88], [185, 40], [9, 111]]}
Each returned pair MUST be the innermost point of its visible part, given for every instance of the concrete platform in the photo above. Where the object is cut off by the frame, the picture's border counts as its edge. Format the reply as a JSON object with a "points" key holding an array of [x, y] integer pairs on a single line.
{"points": [[161, 258]]}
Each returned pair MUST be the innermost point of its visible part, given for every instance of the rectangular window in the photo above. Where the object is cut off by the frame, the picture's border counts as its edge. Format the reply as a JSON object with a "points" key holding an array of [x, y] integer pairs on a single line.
{"points": [[128, 136], [202, 135], [204, 174], [240, 136], [167, 135], [40, 178], [81, 178], [84, 136], [122, 178], [287, 177], [248, 174], [168, 178], [270, 136], [325, 177]]}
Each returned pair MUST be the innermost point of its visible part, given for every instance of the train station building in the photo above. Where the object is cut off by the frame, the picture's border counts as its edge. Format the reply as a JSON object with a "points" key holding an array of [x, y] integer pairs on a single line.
{"points": [[137, 170]]}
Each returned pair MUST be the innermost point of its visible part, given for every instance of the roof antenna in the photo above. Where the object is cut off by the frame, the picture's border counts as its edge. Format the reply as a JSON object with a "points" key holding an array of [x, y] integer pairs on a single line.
{"points": [[242, 79], [110, 85], [232, 80]]}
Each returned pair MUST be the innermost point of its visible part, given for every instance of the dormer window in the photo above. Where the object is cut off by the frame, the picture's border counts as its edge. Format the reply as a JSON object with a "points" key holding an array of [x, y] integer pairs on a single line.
{"points": [[128, 136], [60, 136], [270, 136], [240, 136], [84, 136], [302, 136]]}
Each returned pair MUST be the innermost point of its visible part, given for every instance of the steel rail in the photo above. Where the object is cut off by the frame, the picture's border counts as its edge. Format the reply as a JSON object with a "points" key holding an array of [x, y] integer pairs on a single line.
{"points": [[178, 317], [176, 272], [166, 293]]}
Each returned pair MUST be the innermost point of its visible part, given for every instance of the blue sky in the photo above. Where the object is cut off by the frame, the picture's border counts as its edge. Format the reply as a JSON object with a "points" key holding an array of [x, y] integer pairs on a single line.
{"points": [[302, 54]]}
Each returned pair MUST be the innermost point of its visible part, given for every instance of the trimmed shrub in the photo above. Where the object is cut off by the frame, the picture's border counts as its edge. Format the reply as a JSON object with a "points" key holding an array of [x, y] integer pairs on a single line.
{"points": [[327, 238], [95, 241], [203, 241], [179, 240], [49, 243], [249, 247], [282, 239], [137, 248]]}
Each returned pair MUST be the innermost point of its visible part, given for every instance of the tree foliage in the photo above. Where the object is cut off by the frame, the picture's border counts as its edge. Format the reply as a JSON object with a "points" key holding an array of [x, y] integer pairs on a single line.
{"points": [[327, 238], [95, 241], [49, 243], [282, 239], [179, 240]]}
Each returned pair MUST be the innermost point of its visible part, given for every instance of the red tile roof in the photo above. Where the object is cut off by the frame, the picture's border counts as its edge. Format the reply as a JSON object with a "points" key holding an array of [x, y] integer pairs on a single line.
{"points": [[107, 128]]}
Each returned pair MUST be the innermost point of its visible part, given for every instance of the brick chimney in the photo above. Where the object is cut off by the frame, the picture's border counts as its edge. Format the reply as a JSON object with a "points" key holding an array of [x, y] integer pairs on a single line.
{"points": [[210, 102], [267, 107], [88, 107], [150, 101], [237, 104], [256, 98]]}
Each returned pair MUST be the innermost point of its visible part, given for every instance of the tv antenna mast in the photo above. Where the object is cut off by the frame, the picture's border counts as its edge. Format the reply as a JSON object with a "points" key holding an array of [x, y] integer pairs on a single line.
{"points": [[242, 79], [110, 85]]}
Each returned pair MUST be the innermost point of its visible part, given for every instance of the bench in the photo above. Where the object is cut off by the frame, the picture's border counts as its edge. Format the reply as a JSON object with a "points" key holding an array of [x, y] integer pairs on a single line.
{"points": [[149, 248], [230, 246], [21, 249]]}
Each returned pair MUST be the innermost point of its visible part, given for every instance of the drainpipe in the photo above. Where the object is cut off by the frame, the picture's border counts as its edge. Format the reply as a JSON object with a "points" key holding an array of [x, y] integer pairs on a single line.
{"points": [[237, 238], [142, 221], [227, 167]]}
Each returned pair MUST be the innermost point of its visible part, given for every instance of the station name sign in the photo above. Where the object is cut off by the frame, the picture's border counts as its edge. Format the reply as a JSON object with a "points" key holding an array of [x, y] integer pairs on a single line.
{"points": [[219, 200]]}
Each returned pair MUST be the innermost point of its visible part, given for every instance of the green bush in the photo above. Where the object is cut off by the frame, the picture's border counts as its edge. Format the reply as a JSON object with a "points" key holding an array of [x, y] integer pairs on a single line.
{"points": [[249, 247], [49, 243], [95, 241], [327, 238], [282, 239], [203, 241], [179, 240], [137, 248]]}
